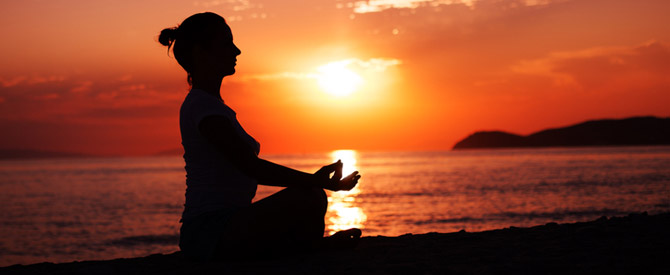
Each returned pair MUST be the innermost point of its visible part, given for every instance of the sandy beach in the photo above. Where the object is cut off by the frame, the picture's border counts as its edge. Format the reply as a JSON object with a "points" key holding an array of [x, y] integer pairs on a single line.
{"points": [[633, 244]]}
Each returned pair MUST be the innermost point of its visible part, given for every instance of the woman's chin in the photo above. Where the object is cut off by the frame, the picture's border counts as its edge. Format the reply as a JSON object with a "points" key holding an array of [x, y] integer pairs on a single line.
{"points": [[229, 72]]}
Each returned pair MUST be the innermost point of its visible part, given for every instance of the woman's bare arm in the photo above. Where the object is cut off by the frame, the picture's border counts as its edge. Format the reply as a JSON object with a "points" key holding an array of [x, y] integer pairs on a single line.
{"points": [[220, 132]]}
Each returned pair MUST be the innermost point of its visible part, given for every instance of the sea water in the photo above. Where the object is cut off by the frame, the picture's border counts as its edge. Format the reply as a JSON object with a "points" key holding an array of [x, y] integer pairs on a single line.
{"points": [[62, 210]]}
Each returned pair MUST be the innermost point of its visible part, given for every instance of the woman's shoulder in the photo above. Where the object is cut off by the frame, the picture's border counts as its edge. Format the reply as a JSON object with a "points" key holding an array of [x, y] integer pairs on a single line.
{"points": [[201, 101], [200, 97]]}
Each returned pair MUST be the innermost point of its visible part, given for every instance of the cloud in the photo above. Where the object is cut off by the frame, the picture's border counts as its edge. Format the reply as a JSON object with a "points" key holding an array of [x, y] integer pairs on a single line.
{"points": [[593, 67], [237, 10], [375, 65], [49, 96], [370, 6], [234, 5], [372, 65], [30, 80], [74, 98], [125, 113], [82, 87], [381, 5], [282, 75], [12, 81]]}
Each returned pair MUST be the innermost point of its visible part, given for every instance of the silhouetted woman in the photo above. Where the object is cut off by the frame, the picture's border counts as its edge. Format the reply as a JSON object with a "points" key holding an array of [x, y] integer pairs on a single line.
{"points": [[223, 167]]}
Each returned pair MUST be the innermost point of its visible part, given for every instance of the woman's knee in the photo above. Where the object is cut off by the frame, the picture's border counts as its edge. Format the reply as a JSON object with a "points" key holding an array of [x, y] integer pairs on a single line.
{"points": [[315, 197], [319, 199], [322, 199]]}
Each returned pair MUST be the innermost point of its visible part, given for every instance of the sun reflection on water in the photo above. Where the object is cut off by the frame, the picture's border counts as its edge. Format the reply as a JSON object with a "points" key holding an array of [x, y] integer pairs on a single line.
{"points": [[342, 210]]}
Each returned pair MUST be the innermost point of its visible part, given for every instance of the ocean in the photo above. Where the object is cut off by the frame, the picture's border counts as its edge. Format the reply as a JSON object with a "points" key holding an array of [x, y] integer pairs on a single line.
{"points": [[74, 209]]}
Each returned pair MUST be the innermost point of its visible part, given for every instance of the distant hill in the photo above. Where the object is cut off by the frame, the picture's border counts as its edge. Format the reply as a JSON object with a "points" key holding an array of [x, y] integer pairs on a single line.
{"points": [[606, 132], [32, 154]]}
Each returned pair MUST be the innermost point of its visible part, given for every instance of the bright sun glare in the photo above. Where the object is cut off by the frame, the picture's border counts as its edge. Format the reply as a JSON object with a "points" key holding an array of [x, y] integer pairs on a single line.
{"points": [[336, 79]]}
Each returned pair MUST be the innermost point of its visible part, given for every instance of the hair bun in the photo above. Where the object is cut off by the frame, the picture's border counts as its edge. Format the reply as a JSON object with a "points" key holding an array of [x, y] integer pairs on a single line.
{"points": [[167, 36]]}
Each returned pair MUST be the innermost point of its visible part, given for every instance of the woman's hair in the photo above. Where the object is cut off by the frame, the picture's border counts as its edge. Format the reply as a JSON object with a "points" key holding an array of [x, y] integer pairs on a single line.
{"points": [[197, 30]]}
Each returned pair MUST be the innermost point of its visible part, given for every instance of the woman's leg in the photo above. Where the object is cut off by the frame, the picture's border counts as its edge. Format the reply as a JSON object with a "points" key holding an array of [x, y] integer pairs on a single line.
{"points": [[291, 219]]}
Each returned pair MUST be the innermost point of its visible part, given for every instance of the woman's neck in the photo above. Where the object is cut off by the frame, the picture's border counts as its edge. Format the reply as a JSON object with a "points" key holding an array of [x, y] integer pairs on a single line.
{"points": [[210, 85]]}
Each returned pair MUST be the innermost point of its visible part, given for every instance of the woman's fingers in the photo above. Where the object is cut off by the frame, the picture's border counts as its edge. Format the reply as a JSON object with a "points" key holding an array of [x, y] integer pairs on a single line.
{"points": [[330, 167], [325, 171], [336, 182], [354, 175], [350, 181], [338, 170]]}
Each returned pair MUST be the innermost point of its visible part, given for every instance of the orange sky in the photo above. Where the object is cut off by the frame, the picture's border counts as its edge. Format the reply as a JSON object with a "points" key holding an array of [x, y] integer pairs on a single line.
{"points": [[89, 76]]}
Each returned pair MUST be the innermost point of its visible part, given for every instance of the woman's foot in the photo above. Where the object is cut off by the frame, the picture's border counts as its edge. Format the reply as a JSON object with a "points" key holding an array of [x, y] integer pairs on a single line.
{"points": [[345, 239]]}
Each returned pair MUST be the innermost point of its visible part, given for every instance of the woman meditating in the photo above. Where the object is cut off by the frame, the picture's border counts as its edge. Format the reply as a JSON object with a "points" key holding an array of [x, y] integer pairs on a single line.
{"points": [[223, 168]]}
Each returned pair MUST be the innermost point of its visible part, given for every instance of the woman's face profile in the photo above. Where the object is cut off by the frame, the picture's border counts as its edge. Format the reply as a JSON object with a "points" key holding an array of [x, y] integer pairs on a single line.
{"points": [[224, 52]]}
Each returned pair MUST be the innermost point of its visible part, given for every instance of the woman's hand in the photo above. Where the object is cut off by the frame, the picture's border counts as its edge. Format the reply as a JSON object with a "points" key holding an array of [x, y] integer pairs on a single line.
{"points": [[336, 182]]}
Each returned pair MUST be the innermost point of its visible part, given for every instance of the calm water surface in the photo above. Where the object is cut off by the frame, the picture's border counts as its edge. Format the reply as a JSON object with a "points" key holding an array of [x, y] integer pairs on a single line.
{"points": [[63, 210]]}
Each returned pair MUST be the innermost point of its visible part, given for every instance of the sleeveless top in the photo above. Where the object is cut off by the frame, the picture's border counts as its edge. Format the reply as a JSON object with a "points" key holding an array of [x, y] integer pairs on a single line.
{"points": [[212, 181]]}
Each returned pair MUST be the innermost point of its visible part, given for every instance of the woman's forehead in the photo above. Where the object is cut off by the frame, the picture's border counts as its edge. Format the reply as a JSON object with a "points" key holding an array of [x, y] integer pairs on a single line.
{"points": [[226, 31]]}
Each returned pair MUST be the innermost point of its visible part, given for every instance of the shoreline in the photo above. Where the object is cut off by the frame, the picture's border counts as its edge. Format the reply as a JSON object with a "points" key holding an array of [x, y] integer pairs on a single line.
{"points": [[629, 244]]}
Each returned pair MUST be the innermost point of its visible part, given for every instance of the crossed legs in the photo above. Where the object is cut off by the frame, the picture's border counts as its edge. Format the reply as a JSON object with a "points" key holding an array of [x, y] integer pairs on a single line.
{"points": [[289, 220]]}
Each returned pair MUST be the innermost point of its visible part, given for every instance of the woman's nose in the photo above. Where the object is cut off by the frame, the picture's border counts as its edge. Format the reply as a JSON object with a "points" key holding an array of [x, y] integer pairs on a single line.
{"points": [[237, 50]]}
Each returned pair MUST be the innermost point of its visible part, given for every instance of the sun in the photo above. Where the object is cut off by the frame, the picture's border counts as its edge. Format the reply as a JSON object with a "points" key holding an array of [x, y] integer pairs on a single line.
{"points": [[336, 79]]}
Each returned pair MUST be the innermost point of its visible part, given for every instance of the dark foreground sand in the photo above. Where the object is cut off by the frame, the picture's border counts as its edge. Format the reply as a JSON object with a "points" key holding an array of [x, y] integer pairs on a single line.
{"points": [[635, 244]]}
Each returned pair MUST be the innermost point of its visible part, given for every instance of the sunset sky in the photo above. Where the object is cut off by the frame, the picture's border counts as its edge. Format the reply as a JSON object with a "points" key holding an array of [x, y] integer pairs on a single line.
{"points": [[90, 77]]}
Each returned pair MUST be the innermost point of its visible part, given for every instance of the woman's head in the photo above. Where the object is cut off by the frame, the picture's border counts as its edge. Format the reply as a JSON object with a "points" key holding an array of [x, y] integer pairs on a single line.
{"points": [[203, 43]]}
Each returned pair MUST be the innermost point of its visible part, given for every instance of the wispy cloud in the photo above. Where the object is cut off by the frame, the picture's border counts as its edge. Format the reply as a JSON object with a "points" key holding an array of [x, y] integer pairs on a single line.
{"points": [[82, 87], [237, 10], [596, 66], [9, 82], [58, 98], [235, 5], [372, 65], [381, 5], [30, 80]]}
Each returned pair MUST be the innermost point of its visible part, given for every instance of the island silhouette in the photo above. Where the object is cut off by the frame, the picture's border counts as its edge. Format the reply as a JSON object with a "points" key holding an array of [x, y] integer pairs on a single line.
{"points": [[605, 132]]}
